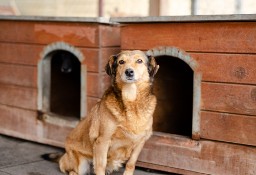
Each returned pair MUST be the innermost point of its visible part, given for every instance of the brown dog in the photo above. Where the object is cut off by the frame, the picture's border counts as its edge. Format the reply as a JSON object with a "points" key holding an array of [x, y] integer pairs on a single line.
{"points": [[117, 127]]}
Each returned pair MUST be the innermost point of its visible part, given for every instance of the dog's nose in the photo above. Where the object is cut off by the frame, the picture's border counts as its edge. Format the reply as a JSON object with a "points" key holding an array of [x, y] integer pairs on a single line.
{"points": [[66, 69], [129, 72]]}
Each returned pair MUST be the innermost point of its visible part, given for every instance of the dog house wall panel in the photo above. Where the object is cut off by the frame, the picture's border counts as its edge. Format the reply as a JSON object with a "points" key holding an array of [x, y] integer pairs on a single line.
{"points": [[9, 56], [26, 119], [225, 54], [29, 126], [237, 99], [76, 34], [107, 39], [180, 155], [227, 68], [22, 75], [228, 127], [18, 96], [81, 34], [230, 68], [222, 37], [20, 54]]}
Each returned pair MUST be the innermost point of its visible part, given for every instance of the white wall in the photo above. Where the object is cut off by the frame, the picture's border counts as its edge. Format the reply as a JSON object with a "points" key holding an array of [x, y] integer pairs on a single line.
{"points": [[89, 8], [126, 8]]}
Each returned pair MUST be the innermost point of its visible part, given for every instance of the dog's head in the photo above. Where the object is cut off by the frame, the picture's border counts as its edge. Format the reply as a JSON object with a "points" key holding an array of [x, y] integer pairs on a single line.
{"points": [[131, 67]]}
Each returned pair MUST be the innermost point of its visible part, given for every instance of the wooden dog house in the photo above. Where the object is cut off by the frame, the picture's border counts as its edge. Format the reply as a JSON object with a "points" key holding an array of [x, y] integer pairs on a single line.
{"points": [[206, 111], [38, 100], [205, 121]]}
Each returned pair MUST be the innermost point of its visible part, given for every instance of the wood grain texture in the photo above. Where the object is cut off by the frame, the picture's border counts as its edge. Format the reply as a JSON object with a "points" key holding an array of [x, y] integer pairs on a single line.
{"points": [[228, 127], [235, 37], [93, 88], [29, 54], [18, 75], [109, 35], [77, 34], [18, 96], [231, 68], [24, 124], [18, 120], [56, 133], [230, 98], [167, 169], [199, 156], [91, 59], [26, 54]]}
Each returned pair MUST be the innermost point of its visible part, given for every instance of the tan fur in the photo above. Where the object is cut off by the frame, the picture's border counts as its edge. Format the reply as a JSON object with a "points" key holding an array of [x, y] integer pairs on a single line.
{"points": [[117, 127]]}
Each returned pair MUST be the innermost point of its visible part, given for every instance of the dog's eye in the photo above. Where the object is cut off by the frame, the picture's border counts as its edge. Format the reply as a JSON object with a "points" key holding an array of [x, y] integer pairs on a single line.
{"points": [[139, 61], [121, 62]]}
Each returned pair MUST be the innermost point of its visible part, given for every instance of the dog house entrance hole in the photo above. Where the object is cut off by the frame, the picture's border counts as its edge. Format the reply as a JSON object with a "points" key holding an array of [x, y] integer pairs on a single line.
{"points": [[173, 86], [65, 84]]}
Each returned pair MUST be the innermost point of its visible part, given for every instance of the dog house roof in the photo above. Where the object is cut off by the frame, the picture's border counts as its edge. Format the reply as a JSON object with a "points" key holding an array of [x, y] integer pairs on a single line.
{"points": [[195, 18], [100, 20], [123, 20]]}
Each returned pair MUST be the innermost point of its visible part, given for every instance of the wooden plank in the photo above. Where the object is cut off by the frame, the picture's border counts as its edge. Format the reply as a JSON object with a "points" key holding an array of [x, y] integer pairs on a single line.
{"points": [[231, 98], [228, 127], [20, 53], [24, 124], [14, 78], [232, 68], [77, 34], [56, 132], [93, 88], [23, 55], [167, 169], [18, 75], [110, 35], [91, 59], [18, 120], [18, 96], [199, 156], [235, 37]]}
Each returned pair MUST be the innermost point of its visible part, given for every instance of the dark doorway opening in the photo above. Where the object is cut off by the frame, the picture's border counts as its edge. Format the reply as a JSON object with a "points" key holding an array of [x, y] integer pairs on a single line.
{"points": [[65, 88], [173, 87]]}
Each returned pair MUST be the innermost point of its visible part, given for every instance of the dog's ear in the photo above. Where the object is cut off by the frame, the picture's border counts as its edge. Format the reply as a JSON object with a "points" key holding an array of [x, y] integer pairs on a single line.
{"points": [[152, 66], [111, 66]]}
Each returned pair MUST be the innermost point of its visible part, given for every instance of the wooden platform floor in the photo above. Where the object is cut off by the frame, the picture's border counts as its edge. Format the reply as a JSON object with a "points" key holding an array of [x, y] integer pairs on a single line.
{"points": [[20, 157]]}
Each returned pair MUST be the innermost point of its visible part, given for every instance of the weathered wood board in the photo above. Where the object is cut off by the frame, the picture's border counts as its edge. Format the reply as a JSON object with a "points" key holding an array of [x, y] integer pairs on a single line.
{"points": [[228, 127], [227, 37], [186, 156], [224, 53], [22, 47], [230, 98]]}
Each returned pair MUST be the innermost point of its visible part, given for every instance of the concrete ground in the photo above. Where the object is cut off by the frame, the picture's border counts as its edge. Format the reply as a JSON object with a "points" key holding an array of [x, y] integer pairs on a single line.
{"points": [[20, 157]]}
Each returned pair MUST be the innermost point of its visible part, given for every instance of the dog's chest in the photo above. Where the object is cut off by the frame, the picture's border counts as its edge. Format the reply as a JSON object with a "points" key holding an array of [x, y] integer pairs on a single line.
{"points": [[123, 142], [127, 133]]}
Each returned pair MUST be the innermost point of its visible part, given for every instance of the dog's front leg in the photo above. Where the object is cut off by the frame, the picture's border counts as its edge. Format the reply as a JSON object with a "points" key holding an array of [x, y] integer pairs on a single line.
{"points": [[130, 165], [101, 147]]}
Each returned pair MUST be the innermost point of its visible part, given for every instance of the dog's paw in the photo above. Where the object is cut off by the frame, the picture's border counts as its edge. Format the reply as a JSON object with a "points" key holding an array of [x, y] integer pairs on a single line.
{"points": [[72, 173], [128, 173]]}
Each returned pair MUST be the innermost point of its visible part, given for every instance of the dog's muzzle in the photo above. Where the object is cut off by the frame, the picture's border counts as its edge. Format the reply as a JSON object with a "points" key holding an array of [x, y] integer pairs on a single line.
{"points": [[129, 74]]}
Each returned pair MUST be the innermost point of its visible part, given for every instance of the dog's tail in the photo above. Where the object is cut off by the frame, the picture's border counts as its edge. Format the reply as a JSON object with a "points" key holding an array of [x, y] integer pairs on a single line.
{"points": [[53, 157]]}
